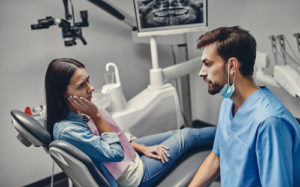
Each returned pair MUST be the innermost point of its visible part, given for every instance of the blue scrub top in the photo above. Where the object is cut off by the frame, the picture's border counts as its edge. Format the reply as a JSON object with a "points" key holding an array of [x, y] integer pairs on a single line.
{"points": [[260, 145]]}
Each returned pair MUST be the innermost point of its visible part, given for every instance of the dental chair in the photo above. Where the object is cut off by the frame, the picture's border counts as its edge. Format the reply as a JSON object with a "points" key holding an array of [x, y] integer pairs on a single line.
{"points": [[31, 132], [80, 168], [83, 172]]}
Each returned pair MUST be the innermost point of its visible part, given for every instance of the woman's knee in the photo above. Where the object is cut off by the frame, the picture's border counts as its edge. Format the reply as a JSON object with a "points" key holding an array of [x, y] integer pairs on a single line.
{"points": [[196, 135], [199, 133], [209, 130], [184, 133]]}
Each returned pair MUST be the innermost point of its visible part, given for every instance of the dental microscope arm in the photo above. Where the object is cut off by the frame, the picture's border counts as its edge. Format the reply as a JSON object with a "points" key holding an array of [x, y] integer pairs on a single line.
{"points": [[115, 11]]}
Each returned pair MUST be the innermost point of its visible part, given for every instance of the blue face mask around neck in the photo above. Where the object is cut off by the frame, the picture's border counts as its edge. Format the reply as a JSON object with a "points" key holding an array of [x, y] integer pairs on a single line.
{"points": [[228, 90]]}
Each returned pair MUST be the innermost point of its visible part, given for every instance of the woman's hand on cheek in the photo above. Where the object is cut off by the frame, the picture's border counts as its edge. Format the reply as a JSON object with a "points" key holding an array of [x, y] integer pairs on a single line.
{"points": [[83, 105]]}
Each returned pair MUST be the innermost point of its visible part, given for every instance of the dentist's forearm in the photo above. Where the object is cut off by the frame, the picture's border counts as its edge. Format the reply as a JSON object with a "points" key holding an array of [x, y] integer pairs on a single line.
{"points": [[208, 171]]}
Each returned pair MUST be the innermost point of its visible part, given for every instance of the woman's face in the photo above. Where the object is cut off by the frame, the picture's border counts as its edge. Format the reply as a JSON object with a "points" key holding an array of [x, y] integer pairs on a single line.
{"points": [[80, 85]]}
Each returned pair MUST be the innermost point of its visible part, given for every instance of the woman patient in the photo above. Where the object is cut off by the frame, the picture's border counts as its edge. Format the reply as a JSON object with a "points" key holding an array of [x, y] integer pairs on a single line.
{"points": [[71, 117]]}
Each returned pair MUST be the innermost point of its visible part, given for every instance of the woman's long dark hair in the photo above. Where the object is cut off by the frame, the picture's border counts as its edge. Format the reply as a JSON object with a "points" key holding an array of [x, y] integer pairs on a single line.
{"points": [[57, 79]]}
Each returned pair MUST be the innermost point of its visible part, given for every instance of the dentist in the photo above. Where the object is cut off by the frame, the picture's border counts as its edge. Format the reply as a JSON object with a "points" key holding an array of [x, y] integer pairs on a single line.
{"points": [[257, 142]]}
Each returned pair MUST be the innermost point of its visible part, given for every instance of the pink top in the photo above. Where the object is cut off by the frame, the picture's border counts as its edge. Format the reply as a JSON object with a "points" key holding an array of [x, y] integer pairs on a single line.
{"points": [[115, 168]]}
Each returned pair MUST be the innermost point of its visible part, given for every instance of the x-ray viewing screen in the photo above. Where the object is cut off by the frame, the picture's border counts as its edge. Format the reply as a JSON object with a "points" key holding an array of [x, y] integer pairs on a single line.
{"points": [[163, 15]]}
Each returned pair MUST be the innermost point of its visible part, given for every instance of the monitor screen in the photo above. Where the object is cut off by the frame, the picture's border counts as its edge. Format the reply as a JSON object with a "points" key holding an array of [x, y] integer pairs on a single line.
{"points": [[161, 17]]}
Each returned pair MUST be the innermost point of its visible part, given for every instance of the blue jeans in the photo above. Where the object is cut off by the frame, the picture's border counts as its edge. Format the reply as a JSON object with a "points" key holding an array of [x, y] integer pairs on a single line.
{"points": [[178, 142]]}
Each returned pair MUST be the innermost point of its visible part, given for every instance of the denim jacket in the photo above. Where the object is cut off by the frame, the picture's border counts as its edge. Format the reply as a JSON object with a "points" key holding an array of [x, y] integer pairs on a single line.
{"points": [[104, 148]]}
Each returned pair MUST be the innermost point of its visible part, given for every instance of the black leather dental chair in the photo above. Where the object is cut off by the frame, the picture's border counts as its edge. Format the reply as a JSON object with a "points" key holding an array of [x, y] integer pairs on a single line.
{"points": [[83, 172], [80, 168], [32, 132]]}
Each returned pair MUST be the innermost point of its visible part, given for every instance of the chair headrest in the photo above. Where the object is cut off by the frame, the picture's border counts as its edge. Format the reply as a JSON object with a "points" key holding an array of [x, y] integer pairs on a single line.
{"points": [[31, 129]]}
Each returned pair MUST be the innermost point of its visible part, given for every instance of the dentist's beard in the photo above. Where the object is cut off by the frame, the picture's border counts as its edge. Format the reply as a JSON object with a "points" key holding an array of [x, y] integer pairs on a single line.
{"points": [[215, 88]]}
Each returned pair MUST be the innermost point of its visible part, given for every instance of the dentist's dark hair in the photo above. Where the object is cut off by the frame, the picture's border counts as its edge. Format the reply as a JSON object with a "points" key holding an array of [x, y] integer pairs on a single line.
{"points": [[58, 75], [232, 42]]}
